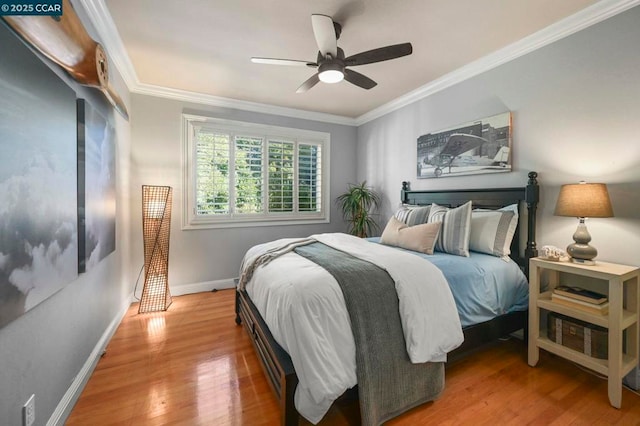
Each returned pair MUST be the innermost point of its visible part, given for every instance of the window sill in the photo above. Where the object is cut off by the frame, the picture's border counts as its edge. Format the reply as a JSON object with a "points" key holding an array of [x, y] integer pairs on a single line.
{"points": [[207, 224]]}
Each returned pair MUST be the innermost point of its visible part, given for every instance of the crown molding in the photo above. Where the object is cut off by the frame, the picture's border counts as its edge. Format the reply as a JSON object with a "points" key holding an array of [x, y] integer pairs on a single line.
{"points": [[585, 18], [100, 17], [107, 31], [201, 98]]}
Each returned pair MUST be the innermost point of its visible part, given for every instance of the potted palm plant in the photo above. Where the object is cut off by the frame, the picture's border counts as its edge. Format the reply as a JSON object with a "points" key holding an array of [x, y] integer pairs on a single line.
{"points": [[356, 205]]}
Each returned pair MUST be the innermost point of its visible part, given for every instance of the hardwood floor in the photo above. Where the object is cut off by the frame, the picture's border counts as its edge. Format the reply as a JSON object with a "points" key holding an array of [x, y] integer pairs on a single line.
{"points": [[192, 365]]}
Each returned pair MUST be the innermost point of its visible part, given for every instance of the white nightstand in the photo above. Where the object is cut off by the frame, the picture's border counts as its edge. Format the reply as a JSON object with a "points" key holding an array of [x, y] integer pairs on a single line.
{"points": [[621, 283]]}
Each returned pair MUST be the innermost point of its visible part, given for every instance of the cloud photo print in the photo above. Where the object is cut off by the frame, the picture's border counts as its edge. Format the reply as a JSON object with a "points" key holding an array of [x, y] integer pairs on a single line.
{"points": [[38, 213]]}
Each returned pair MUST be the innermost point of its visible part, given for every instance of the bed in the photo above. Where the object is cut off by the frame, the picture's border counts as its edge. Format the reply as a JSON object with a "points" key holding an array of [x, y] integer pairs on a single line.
{"points": [[276, 361]]}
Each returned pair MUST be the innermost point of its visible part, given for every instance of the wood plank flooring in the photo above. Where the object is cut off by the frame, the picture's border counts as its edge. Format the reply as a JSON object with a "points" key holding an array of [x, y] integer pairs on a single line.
{"points": [[192, 365]]}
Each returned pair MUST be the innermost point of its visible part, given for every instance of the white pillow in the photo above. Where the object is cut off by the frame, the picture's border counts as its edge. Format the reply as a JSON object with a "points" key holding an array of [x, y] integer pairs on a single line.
{"points": [[456, 226], [492, 230], [420, 238]]}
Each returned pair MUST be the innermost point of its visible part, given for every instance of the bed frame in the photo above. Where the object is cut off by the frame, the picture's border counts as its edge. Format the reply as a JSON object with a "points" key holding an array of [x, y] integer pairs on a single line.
{"points": [[276, 362]]}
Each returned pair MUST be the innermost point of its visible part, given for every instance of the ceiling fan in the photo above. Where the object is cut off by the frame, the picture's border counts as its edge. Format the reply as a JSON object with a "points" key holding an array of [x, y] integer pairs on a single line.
{"points": [[331, 62], [64, 40]]}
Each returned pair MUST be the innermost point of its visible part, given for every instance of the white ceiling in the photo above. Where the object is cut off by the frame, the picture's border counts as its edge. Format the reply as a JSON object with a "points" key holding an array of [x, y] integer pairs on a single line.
{"points": [[205, 46]]}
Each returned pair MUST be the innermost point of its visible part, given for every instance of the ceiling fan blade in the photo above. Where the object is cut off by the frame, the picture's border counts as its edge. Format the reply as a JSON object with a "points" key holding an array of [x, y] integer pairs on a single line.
{"points": [[289, 62], [65, 41], [379, 55], [325, 34], [312, 81], [358, 79]]}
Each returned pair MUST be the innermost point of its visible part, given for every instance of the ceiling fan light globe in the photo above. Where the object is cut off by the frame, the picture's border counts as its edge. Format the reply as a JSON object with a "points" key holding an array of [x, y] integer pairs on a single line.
{"points": [[331, 76], [331, 72]]}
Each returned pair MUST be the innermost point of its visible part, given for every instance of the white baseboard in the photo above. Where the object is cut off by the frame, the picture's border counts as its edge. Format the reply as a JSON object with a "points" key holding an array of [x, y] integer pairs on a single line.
{"points": [[72, 394], [179, 290]]}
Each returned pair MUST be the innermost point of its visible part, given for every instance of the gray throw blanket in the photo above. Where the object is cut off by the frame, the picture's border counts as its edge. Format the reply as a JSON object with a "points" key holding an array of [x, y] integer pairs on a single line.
{"points": [[388, 383]]}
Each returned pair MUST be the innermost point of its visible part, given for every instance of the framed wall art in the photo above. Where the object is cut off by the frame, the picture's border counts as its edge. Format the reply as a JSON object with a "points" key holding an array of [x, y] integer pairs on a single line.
{"points": [[481, 146], [96, 186], [38, 216]]}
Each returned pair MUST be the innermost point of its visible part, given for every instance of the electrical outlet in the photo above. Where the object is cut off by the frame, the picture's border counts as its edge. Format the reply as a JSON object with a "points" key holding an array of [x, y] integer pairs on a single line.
{"points": [[29, 412]]}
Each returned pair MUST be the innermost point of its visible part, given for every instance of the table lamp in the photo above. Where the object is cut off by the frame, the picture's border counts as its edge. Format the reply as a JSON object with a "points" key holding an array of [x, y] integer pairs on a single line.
{"points": [[583, 200]]}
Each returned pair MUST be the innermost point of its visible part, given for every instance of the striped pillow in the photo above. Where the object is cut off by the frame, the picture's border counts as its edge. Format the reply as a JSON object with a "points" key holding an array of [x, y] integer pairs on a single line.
{"points": [[455, 230], [412, 215], [493, 230]]}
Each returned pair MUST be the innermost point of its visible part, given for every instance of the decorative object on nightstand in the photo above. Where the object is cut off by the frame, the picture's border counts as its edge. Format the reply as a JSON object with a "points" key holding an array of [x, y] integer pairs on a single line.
{"points": [[552, 253], [156, 227], [583, 200], [580, 335]]}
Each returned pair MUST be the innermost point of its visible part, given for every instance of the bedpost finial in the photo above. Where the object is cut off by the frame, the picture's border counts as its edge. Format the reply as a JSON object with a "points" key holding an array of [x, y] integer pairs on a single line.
{"points": [[533, 178], [405, 185]]}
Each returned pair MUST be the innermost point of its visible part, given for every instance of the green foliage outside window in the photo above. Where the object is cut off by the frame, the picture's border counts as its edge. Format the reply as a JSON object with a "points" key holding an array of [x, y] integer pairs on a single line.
{"points": [[214, 151], [248, 165], [212, 180]]}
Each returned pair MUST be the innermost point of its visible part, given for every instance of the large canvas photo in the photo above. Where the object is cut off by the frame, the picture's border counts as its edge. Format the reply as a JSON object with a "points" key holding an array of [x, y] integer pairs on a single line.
{"points": [[38, 220], [96, 186], [481, 146]]}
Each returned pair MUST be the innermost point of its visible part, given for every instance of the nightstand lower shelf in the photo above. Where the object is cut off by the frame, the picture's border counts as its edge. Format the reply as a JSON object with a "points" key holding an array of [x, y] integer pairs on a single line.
{"points": [[545, 302], [600, 366]]}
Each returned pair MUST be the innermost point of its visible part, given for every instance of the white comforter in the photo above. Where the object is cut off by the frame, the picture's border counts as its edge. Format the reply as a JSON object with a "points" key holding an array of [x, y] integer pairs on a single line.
{"points": [[305, 310]]}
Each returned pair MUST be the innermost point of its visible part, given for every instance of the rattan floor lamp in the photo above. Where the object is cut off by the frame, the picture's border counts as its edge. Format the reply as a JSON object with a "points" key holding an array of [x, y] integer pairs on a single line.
{"points": [[156, 227]]}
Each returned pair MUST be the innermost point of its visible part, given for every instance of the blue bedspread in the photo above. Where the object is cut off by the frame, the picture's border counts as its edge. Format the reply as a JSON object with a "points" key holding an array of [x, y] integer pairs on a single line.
{"points": [[483, 286]]}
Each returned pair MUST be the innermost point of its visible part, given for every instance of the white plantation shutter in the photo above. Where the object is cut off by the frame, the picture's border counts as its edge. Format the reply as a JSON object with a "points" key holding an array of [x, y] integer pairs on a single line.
{"points": [[212, 172], [309, 177], [239, 173], [281, 177], [248, 175]]}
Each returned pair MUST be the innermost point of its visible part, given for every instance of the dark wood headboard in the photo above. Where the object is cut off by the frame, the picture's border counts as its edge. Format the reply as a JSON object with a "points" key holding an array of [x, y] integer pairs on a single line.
{"points": [[491, 198]]}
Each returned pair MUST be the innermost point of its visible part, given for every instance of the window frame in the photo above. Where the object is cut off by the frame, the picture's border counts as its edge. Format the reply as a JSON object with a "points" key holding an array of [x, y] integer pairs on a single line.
{"points": [[191, 220]]}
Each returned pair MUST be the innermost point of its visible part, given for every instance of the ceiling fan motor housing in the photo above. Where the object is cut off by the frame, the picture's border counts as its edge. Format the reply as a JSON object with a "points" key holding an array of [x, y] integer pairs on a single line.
{"points": [[321, 58]]}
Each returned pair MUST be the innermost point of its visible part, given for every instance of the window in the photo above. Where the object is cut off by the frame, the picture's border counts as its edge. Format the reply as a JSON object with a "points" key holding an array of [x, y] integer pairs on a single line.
{"points": [[244, 174]]}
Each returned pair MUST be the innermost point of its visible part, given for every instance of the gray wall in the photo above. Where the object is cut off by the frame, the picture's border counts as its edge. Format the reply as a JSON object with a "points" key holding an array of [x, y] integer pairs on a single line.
{"points": [[42, 351], [575, 107], [201, 256]]}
